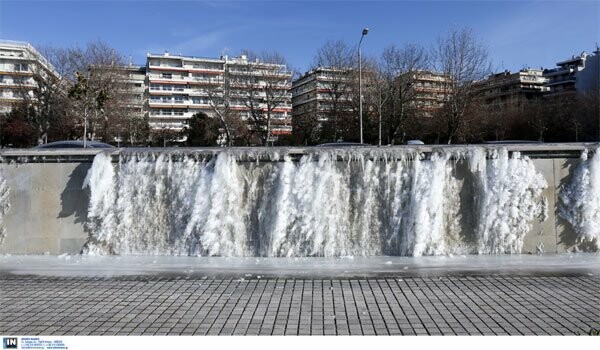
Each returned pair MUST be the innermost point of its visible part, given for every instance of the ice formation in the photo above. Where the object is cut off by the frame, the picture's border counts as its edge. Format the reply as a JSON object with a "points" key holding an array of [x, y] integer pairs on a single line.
{"points": [[4, 205], [580, 199], [329, 202], [509, 197]]}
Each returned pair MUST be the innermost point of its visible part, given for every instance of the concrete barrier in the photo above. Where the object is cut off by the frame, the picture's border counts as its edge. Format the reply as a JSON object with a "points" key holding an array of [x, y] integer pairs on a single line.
{"points": [[48, 207]]}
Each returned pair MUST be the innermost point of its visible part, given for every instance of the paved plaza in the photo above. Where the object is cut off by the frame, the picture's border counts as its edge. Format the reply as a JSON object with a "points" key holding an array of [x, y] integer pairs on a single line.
{"points": [[475, 304]]}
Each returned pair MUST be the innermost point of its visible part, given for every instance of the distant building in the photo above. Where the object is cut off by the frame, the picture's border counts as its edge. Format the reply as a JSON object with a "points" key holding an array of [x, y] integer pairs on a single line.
{"points": [[429, 90], [135, 99], [178, 88], [512, 89], [19, 63], [577, 74], [135, 80], [182, 86], [315, 93]]}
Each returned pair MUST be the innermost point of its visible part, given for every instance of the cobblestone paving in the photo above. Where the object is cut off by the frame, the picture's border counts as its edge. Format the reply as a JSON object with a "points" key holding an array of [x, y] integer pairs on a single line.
{"points": [[365, 306]]}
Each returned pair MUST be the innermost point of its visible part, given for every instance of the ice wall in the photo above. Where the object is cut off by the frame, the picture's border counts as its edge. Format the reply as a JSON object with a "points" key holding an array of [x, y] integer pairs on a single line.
{"points": [[330, 202], [580, 199]]}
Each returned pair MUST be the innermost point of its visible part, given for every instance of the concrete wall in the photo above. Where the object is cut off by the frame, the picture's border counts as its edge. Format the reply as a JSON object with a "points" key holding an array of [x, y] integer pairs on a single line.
{"points": [[48, 207]]}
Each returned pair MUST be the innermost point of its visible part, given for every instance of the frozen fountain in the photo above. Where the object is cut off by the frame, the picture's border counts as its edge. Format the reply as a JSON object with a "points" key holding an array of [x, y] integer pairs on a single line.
{"points": [[326, 202]]}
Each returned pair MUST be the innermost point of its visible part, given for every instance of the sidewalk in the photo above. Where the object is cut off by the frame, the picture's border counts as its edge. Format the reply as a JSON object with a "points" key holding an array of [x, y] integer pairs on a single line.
{"points": [[565, 303]]}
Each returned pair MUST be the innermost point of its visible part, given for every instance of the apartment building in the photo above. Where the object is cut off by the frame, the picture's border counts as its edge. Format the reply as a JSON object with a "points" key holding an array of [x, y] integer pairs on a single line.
{"points": [[315, 93], [512, 89], [135, 87], [429, 90], [577, 74], [182, 86], [19, 64]]}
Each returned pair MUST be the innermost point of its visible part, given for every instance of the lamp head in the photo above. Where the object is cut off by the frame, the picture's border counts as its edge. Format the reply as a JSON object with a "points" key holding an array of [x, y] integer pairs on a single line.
{"points": [[365, 31]]}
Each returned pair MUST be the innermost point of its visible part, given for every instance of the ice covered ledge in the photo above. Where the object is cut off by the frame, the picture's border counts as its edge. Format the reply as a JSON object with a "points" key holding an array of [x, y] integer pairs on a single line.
{"points": [[48, 207], [533, 150]]}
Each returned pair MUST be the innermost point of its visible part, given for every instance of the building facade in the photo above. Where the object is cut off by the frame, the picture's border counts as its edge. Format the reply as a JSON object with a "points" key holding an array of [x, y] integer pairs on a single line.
{"points": [[135, 87], [508, 89], [135, 103], [317, 90], [577, 74], [429, 90], [19, 64], [179, 87], [320, 95]]}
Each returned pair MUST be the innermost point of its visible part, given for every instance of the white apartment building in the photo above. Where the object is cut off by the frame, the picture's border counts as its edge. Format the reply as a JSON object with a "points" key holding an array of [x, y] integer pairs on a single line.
{"points": [[19, 61], [181, 86], [577, 74]]}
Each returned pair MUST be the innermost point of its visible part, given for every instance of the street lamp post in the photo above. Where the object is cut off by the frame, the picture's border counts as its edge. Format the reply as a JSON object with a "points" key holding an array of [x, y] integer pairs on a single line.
{"points": [[365, 31]]}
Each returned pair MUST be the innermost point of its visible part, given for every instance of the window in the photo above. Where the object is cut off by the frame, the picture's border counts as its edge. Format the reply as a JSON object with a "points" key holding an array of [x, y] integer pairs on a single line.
{"points": [[21, 67], [154, 87], [167, 76]]}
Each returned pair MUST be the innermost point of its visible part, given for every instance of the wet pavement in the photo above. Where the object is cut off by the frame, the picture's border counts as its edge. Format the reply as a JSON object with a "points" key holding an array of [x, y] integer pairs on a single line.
{"points": [[75, 295]]}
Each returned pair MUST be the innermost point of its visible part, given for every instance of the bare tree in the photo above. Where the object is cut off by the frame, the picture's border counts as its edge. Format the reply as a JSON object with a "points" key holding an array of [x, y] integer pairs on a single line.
{"points": [[399, 70], [265, 82], [464, 60], [44, 94], [219, 99], [99, 90], [306, 127], [336, 62]]}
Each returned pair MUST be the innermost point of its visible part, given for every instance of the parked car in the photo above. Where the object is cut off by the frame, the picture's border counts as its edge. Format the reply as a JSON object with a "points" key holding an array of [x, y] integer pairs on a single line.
{"points": [[74, 144], [415, 142]]}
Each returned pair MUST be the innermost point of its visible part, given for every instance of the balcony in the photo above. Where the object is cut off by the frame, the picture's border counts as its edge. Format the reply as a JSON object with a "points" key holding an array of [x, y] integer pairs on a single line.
{"points": [[167, 68], [204, 70], [16, 85], [18, 73], [178, 80], [561, 81], [557, 71], [168, 104], [203, 81]]}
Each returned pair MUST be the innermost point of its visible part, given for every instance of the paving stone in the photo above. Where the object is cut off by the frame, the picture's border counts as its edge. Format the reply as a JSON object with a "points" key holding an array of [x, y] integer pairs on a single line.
{"points": [[498, 305]]}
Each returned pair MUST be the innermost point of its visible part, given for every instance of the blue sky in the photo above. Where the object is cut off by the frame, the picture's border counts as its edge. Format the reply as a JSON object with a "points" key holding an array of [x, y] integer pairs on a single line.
{"points": [[517, 33]]}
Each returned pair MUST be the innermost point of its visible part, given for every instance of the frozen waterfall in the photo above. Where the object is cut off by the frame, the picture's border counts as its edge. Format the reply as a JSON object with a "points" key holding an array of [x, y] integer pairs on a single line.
{"points": [[329, 202]]}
